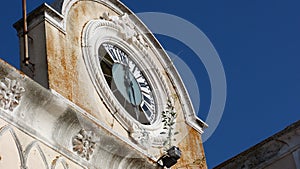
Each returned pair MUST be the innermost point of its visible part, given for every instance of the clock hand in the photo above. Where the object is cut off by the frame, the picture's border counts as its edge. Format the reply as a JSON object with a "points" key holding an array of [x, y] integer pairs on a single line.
{"points": [[127, 82], [129, 93], [137, 113], [130, 90]]}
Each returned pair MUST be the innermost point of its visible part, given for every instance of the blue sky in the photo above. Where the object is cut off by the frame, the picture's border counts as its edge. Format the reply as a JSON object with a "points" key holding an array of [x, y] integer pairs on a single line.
{"points": [[258, 43]]}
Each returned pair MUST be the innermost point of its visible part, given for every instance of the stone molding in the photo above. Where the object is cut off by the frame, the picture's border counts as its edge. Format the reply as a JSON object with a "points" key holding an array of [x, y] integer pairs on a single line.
{"points": [[296, 155], [54, 121], [43, 13], [268, 151]]}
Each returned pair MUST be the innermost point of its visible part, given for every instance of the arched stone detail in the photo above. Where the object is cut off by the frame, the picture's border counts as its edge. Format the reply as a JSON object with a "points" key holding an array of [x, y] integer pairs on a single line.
{"points": [[32, 145], [57, 161], [7, 128]]}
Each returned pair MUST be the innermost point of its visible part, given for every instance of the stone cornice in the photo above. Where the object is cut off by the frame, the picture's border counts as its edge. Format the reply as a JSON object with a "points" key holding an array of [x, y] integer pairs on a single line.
{"points": [[43, 13], [267, 151], [64, 127]]}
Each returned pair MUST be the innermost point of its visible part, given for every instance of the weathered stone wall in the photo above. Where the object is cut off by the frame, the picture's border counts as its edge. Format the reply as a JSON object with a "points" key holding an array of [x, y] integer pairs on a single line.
{"points": [[193, 156], [67, 71]]}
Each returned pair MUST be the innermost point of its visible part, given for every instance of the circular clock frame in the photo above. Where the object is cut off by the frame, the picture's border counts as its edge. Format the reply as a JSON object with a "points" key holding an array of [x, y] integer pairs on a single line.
{"points": [[97, 32], [128, 83]]}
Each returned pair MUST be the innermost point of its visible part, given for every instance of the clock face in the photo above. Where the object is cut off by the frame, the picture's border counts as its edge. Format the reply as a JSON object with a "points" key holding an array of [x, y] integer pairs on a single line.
{"points": [[127, 83]]}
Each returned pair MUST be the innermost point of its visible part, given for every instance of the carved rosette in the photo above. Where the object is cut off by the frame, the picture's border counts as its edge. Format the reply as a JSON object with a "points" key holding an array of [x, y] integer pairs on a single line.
{"points": [[84, 144], [129, 32], [10, 94]]}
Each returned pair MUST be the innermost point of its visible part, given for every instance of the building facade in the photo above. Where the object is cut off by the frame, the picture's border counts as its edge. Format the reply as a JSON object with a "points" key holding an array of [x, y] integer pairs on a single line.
{"points": [[279, 151], [99, 92]]}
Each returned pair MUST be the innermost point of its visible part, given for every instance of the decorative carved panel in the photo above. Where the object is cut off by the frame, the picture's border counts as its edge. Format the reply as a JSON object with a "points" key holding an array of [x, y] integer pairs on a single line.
{"points": [[84, 144], [10, 93]]}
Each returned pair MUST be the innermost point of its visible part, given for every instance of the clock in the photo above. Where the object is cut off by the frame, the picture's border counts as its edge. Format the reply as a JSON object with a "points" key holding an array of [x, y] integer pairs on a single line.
{"points": [[123, 67], [133, 78], [127, 83]]}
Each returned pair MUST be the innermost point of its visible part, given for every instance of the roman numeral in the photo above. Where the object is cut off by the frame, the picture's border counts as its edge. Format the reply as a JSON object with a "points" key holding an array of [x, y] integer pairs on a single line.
{"points": [[149, 100], [134, 70], [146, 90], [120, 55], [124, 57], [116, 54], [147, 97], [143, 84], [111, 53], [146, 109]]}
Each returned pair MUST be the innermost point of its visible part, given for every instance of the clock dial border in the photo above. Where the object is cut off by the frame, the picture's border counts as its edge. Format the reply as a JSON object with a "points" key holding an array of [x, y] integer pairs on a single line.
{"points": [[119, 57], [92, 38]]}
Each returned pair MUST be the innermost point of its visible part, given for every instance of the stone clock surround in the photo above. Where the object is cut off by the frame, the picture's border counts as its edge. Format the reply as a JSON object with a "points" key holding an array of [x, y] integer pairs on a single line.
{"points": [[64, 6], [92, 39], [60, 19], [57, 18]]}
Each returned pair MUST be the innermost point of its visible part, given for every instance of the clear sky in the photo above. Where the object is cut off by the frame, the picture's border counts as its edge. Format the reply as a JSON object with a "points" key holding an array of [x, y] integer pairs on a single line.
{"points": [[258, 42]]}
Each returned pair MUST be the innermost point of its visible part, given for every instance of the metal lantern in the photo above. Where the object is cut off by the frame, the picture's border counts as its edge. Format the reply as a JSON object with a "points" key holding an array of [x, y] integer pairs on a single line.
{"points": [[170, 158]]}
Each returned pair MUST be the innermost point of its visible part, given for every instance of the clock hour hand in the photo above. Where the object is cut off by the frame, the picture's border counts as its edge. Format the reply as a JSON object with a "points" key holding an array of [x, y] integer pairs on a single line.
{"points": [[130, 84], [127, 82], [130, 90], [135, 104]]}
